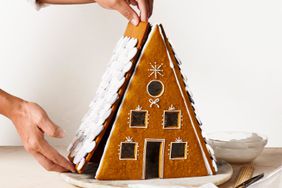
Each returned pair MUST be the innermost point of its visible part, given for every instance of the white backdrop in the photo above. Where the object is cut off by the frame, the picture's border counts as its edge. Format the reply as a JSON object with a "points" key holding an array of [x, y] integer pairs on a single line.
{"points": [[231, 52]]}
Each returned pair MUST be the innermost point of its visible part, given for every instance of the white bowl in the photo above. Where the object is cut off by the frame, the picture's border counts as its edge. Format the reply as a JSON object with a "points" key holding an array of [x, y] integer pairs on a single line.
{"points": [[237, 147]]}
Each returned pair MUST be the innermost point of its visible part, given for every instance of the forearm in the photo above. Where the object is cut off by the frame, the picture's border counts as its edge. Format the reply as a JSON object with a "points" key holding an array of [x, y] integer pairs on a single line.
{"points": [[9, 104], [65, 1]]}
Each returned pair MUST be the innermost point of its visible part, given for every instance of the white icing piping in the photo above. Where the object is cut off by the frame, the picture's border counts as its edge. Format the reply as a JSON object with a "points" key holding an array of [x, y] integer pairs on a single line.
{"points": [[81, 163], [106, 95], [208, 167], [209, 148], [134, 72]]}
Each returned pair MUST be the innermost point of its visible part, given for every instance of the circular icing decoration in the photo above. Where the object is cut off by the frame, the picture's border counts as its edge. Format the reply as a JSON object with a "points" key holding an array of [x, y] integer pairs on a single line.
{"points": [[132, 43], [131, 53], [106, 95], [155, 88], [79, 155], [89, 146], [126, 68], [80, 164], [95, 132]]}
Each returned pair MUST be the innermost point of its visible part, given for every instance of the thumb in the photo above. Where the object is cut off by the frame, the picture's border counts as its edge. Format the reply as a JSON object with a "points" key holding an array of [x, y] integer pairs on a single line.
{"points": [[127, 12], [51, 129]]}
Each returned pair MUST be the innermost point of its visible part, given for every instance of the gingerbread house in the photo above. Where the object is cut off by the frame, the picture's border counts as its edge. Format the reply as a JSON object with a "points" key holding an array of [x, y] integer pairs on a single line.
{"points": [[142, 123]]}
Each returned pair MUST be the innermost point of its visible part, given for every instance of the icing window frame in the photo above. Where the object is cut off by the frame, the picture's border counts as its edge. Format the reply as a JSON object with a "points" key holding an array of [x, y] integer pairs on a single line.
{"points": [[134, 152], [162, 91], [145, 124], [179, 116], [171, 157]]}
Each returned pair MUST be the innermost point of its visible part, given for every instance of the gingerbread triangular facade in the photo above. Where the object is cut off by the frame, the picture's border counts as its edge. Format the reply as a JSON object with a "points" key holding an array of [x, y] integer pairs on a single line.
{"points": [[154, 132]]}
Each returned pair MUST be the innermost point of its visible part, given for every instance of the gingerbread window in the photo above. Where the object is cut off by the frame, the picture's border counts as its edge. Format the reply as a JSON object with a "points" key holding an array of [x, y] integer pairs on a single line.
{"points": [[138, 118], [128, 151], [172, 119], [155, 88], [178, 150]]}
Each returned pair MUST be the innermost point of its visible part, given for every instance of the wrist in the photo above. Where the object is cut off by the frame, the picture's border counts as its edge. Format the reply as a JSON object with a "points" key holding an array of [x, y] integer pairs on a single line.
{"points": [[10, 106], [16, 108]]}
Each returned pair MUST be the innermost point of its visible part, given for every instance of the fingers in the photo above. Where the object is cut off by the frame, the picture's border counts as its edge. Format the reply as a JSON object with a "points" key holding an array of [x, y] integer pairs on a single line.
{"points": [[33, 124], [53, 155], [50, 158], [151, 5], [133, 2], [50, 128], [47, 164], [122, 7], [143, 6]]}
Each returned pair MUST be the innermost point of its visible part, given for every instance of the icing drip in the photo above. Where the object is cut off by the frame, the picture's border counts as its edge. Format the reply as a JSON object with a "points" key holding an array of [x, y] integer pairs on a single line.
{"points": [[106, 95]]}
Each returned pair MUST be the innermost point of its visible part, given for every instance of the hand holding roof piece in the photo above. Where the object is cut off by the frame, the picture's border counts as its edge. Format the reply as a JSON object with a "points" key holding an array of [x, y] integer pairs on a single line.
{"points": [[142, 125], [124, 7]]}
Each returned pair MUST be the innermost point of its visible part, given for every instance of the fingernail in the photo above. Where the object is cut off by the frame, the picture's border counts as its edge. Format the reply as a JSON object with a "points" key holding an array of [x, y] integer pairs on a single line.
{"points": [[134, 22], [73, 169]]}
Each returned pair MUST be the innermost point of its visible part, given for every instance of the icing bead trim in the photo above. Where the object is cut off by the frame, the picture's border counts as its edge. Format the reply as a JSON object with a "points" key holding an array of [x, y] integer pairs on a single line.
{"points": [[174, 144], [207, 164], [125, 149], [190, 95], [169, 115], [135, 115]]}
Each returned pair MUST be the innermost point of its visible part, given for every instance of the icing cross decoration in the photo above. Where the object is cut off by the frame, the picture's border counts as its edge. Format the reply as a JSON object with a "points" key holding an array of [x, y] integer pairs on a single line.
{"points": [[171, 107], [138, 108], [156, 70], [178, 140], [154, 102], [128, 139]]}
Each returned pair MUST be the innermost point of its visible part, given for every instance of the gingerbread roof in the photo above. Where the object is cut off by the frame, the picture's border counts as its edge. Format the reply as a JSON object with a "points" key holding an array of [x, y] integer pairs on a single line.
{"points": [[99, 125]]}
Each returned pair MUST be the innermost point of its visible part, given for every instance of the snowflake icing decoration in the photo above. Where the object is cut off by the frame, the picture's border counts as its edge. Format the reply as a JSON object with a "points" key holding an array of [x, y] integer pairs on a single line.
{"points": [[156, 70]]}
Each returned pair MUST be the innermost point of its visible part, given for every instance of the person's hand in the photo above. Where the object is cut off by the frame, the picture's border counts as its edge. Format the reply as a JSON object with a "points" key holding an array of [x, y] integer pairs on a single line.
{"points": [[32, 122], [123, 6]]}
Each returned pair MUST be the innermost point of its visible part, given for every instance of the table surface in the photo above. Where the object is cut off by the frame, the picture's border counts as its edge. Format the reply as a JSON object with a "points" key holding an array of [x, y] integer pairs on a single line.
{"points": [[20, 170]]}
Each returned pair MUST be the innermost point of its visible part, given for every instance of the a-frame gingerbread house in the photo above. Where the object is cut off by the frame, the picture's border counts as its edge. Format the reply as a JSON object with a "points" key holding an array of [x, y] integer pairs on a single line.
{"points": [[142, 122]]}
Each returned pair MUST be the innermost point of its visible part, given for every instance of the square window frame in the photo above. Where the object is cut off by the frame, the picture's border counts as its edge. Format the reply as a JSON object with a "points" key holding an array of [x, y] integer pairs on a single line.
{"points": [[179, 119], [185, 152], [146, 119], [135, 152]]}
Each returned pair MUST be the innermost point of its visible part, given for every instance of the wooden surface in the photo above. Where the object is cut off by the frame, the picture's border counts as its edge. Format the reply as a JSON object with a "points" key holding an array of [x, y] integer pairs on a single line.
{"points": [[20, 170], [269, 160]]}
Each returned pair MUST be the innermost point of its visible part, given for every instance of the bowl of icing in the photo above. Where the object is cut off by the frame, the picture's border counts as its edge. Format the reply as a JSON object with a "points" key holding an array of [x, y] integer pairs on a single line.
{"points": [[237, 147]]}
